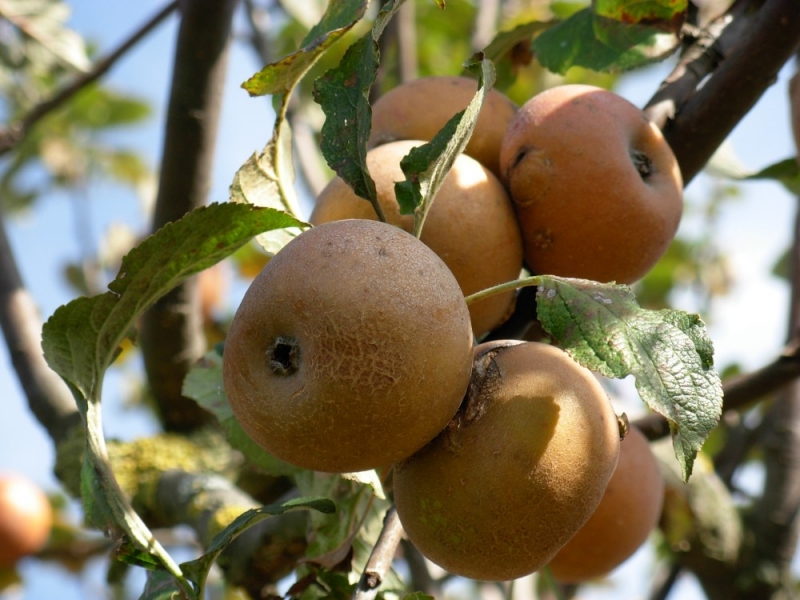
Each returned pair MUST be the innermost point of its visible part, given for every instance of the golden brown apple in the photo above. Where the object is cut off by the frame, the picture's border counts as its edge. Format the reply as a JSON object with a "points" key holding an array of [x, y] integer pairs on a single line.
{"points": [[418, 109], [627, 514], [25, 518], [597, 189], [350, 350], [471, 224], [519, 470]]}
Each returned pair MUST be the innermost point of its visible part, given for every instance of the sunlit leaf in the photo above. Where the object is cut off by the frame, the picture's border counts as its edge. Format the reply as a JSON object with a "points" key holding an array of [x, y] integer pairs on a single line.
{"points": [[594, 42], [427, 165], [260, 181], [637, 11], [281, 76], [667, 351], [81, 339]]}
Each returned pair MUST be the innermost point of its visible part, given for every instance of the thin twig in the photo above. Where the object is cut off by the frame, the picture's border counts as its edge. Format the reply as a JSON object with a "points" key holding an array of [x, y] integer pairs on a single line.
{"points": [[407, 59], [380, 560], [13, 134], [257, 37], [485, 27], [663, 588]]}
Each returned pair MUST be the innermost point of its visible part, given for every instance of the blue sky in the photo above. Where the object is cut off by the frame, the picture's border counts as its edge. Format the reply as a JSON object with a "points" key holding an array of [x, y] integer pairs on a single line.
{"points": [[749, 325]]}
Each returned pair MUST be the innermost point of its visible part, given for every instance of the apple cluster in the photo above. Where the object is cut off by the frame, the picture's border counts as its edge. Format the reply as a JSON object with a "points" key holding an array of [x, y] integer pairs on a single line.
{"points": [[354, 348]]}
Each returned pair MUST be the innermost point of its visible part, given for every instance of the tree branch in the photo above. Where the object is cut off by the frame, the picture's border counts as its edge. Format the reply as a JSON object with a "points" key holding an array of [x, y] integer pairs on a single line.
{"points": [[171, 332], [756, 55], [261, 555], [48, 396], [698, 61], [776, 515]]}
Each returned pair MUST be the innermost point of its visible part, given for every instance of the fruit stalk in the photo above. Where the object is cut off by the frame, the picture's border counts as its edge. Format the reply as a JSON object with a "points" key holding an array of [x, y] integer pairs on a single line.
{"points": [[381, 557]]}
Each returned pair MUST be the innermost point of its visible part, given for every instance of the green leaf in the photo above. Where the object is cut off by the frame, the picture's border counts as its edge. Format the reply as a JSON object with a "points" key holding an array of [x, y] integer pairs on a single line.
{"points": [[98, 512], [97, 108], [280, 77], [197, 570], [701, 514], [418, 596], [267, 180], [636, 11], [204, 385], [81, 339], [359, 517], [505, 41], [160, 586], [317, 583], [785, 171], [427, 165], [43, 21], [130, 555], [108, 509], [601, 44], [668, 352], [343, 94]]}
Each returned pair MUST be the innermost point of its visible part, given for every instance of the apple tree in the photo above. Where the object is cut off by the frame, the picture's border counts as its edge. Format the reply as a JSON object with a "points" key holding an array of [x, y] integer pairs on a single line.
{"points": [[260, 526]]}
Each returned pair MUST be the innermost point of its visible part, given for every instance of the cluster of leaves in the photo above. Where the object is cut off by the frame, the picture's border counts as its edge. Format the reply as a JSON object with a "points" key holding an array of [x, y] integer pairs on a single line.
{"points": [[36, 57], [668, 352]]}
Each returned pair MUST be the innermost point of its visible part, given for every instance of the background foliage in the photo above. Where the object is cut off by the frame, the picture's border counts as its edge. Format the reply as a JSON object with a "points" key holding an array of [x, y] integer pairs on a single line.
{"points": [[737, 542]]}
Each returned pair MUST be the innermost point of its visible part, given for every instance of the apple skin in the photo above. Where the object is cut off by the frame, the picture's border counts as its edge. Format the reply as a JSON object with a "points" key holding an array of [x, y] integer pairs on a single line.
{"points": [[517, 472], [596, 187], [627, 514], [25, 518], [418, 109], [471, 225], [350, 350]]}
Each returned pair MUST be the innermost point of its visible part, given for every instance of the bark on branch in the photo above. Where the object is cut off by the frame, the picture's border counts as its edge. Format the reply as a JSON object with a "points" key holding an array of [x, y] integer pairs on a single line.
{"points": [[48, 396], [171, 333], [757, 53]]}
